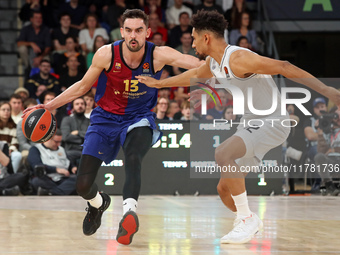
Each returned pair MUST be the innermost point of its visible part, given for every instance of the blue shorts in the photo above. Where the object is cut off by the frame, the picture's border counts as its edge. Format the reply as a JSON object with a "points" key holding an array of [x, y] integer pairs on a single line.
{"points": [[108, 131]]}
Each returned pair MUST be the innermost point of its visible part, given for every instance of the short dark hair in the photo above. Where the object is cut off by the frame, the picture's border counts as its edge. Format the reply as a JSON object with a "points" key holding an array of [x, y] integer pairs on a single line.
{"points": [[182, 13], [15, 96], [77, 99], [209, 20], [157, 33], [136, 14], [58, 132], [64, 13], [240, 39], [29, 101], [35, 12], [45, 61]]}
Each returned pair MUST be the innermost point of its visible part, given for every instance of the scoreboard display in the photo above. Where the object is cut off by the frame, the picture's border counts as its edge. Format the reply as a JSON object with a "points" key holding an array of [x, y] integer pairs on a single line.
{"points": [[169, 166]]}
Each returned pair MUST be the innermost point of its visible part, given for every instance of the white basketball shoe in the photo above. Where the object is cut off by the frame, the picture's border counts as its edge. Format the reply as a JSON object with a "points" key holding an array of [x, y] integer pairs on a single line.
{"points": [[244, 230]]}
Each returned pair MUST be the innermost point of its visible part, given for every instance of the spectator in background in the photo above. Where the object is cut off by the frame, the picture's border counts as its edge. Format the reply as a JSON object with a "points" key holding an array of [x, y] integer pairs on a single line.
{"points": [[89, 100], [10, 182], [16, 105], [173, 13], [185, 48], [23, 93], [71, 51], [60, 34], [89, 33], [99, 41], [76, 11], [208, 5], [176, 33], [164, 92], [8, 134], [74, 129], [37, 5], [24, 143], [217, 111], [233, 15], [161, 108], [34, 42], [59, 113], [156, 27], [54, 174], [153, 6], [114, 12], [243, 42], [187, 110], [173, 109], [115, 33], [157, 39], [228, 113], [43, 80], [244, 30], [72, 74]]}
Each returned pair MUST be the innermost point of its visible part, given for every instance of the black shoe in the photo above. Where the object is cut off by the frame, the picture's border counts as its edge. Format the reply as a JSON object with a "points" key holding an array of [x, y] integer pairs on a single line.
{"points": [[14, 191], [93, 217], [331, 189], [43, 192], [128, 226]]}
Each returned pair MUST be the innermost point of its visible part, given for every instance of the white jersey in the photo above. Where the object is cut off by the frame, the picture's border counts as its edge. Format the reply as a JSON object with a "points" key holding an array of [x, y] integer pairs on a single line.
{"points": [[262, 86]]}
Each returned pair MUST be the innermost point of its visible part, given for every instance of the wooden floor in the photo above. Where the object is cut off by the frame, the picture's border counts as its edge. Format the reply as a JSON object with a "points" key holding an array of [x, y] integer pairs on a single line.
{"points": [[169, 225]]}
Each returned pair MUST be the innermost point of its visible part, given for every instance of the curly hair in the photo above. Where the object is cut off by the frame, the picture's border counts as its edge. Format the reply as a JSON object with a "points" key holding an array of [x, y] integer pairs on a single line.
{"points": [[136, 14], [209, 20]]}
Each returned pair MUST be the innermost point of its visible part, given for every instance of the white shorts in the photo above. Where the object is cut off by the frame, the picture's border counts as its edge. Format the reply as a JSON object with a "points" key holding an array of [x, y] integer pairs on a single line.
{"points": [[259, 140]]}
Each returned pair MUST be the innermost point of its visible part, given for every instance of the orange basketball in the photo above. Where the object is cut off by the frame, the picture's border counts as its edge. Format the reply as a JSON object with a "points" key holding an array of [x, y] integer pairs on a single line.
{"points": [[39, 125]]}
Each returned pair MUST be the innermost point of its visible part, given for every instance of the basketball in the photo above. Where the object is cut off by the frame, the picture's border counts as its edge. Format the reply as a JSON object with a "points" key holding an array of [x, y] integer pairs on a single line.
{"points": [[39, 125]]}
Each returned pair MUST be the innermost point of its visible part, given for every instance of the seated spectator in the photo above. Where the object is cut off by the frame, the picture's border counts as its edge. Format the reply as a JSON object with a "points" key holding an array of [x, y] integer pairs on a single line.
{"points": [[77, 12], [114, 11], [59, 113], [71, 50], [217, 111], [172, 13], [60, 34], [244, 30], [156, 27], [74, 129], [164, 92], [10, 182], [187, 110], [173, 109], [99, 41], [89, 33], [8, 134], [161, 108], [157, 39], [328, 156], [24, 143], [72, 73], [23, 93], [43, 78], [243, 42], [115, 33], [16, 105], [233, 15], [34, 42], [53, 172], [36, 5], [89, 100], [185, 48], [153, 6], [208, 5], [228, 113], [175, 33]]}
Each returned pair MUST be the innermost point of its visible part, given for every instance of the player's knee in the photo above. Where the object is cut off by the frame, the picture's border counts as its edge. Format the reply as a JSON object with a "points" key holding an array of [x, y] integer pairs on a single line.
{"points": [[133, 158], [222, 189], [221, 156]]}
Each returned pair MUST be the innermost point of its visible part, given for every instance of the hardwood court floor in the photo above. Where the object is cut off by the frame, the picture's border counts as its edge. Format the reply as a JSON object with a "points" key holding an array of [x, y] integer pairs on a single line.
{"points": [[170, 225]]}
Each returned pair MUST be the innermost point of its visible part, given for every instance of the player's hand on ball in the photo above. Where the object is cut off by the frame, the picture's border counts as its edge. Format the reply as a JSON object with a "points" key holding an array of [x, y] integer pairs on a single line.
{"points": [[148, 81], [39, 106]]}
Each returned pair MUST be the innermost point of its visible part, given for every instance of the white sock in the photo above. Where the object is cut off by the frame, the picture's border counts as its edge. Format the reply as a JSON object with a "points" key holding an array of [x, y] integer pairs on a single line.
{"points": [[241, 203], [129, 204], [97, 201]]}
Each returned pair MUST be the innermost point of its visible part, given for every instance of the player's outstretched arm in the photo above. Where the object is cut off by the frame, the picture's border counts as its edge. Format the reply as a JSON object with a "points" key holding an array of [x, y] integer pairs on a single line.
{"points": [[243, 63], [181, 80], [101, 60]]}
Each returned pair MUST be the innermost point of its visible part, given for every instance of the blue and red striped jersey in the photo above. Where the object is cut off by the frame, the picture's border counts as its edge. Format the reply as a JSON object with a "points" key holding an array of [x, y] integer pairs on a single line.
{"points": [[119, 92]]}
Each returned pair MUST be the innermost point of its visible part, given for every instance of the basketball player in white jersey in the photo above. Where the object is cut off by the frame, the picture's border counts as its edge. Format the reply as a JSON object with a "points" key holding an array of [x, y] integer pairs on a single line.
{"points": [[244, 69]]}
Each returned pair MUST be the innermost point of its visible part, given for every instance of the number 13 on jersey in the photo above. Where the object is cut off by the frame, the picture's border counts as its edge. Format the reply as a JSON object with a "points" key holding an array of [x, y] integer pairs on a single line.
{"points": [[131, 85]]}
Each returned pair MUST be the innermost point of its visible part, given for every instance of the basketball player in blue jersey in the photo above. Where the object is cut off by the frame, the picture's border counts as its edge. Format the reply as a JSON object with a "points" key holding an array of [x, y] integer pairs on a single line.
{"points": [[123, 116], [242, 68]]}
